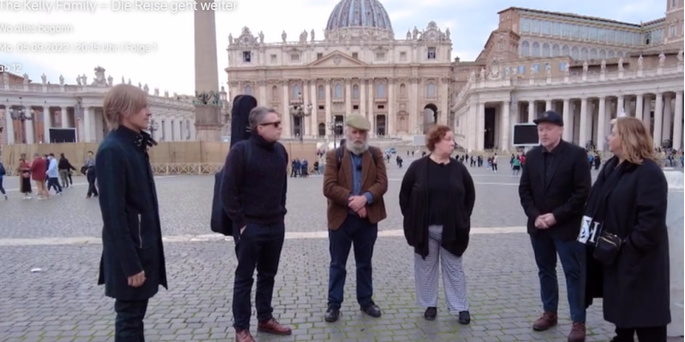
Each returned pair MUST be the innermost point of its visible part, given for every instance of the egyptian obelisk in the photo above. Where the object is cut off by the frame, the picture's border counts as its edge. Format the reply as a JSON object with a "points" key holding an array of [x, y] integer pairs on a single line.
{"points": [[207, 106]]}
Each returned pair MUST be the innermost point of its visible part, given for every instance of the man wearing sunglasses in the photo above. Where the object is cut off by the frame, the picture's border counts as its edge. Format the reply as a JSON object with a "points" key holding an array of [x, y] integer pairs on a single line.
{"points": [[253, 192]]}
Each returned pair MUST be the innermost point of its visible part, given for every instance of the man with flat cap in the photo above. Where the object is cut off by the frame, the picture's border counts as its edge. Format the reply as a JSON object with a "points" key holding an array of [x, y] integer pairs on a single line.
{"points": [[355, 181], [553, 189]]}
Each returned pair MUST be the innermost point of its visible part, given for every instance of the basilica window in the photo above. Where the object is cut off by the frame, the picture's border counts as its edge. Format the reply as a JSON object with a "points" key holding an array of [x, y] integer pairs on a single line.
{"points": [[602, 54], [247, 56], [355, 92], [565, 51], [319, 55], [403, 56], [431, 53], [338, 91], [593, 53], [521, 69], [247, 90], [403, 91], [525, 25], [674, 3], [545, 50], [380, 91], [584, 54], [535, 51], [380, 56], [320, 92], [355, 55], [161, 128], [535, 68], [294, 57], [555, 50], [274, 93], [274, 59], [297, 92], [525, 49], [575, 54], [430, 90]]}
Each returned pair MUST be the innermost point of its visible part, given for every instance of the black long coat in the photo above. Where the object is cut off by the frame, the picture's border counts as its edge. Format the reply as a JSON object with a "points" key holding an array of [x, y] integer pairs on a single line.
{"points": [[414, 202], [636, 286], [131, 233]]}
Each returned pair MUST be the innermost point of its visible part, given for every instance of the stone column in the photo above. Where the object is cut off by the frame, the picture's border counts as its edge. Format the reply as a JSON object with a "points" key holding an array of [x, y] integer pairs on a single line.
{"points": [[601, 124], [87, 125], [568, 126], [262, 93], [64, 117], [668, 118], [472, 124], [505, 126], [639, 104], [583, 122], [646, 113], [531, 111], [390, 121], [658, 119], [47, 124], [620, 108], [362, 98], [548, 105], [372, 108], [678, 121], [480, 127], [314, 119], [29, 130], [306, 122], [285, 117], [9, 126], [348, 97], [415, 115], [329, 118]]}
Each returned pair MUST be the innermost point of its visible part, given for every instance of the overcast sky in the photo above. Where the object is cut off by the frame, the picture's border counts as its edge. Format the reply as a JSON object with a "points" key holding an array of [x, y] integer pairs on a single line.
{"points": [[169, 36]]}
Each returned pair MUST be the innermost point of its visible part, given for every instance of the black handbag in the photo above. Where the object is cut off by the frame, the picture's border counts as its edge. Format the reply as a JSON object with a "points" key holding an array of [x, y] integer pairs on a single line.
{"points": [[607, 248]]}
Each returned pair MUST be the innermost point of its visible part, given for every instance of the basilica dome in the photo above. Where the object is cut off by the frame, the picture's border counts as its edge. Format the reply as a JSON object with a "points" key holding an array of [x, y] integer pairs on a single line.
{"points": [[359, 14]]}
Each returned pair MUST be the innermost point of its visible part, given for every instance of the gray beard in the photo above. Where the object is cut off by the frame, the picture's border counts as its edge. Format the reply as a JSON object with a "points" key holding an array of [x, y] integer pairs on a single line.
{"points": [[357, 149]]}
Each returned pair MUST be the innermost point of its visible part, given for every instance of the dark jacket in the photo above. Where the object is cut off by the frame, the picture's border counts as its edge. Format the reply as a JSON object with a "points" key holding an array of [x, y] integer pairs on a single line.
{"points": [[64, 164], [255, 192], [414, 206], [131, 233], [636, 287], [565, 192], [338, 185]]}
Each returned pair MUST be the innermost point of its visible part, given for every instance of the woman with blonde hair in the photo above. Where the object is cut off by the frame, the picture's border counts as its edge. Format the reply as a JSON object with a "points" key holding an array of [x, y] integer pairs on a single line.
{"points": [[625, 230]]}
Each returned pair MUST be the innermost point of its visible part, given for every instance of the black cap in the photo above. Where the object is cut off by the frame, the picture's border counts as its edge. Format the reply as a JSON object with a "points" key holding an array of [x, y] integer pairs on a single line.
{"points": [[551, 117]]}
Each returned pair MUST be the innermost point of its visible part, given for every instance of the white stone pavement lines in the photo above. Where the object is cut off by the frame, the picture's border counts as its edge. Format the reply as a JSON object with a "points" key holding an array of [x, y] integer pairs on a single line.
{"points": [[86, 240]]}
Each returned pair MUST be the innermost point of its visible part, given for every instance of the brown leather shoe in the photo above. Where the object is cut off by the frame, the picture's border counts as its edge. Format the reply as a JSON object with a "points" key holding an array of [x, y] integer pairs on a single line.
{"points": [[273, 327], [548, 320], [243, 336], [577, 332]]}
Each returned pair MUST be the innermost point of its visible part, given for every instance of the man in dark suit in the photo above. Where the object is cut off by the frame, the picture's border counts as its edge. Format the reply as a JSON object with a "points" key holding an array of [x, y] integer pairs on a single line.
{"points": [[554, 187], [132, 265], [355, 190]]}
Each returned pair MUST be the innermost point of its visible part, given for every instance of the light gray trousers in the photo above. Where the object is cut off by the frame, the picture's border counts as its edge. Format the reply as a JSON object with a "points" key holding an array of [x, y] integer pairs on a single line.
{"points": [[426, 275]]}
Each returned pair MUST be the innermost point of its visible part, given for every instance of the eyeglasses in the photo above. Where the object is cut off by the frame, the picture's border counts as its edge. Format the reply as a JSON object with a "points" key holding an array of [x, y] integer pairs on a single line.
{"points": [[275, 124]]}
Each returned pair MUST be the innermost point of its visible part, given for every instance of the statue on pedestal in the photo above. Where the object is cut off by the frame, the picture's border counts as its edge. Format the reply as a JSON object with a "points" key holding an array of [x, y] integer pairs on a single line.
{"points": [[603, 66], [230, 39], [78, 80], [585, 67], [415, 33], [408, 35], [620, 64], [110, 80], [567, 69], [84, 79], [303, 37], [447, 33], [156, 91], [312, 35], [639, 62], [146, 89], [44, 78], [284, 36], [662, 59], [261, 37], [482, 73], [548, 70], [61, 80], [166, 93]]}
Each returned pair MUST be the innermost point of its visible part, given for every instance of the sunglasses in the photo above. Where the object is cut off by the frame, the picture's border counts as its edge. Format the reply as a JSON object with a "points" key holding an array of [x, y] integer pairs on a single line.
{"points": [[275, 124]]}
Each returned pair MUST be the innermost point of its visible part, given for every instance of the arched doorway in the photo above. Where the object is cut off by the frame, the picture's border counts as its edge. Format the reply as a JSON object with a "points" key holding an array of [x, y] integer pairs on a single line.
{"points": [[430, 116], [322, 130]]}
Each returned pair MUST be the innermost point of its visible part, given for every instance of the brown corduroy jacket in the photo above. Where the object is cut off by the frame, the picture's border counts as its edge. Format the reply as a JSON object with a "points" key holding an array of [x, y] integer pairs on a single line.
{"points": [[337, 185]]}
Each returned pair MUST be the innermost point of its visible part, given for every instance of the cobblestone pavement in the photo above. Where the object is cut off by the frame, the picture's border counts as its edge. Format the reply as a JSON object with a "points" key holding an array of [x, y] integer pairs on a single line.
{"points": [[62, 303]]}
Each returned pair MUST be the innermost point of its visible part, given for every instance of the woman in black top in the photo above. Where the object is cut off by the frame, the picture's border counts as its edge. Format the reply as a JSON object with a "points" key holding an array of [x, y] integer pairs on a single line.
{"points": [[436, 199]]}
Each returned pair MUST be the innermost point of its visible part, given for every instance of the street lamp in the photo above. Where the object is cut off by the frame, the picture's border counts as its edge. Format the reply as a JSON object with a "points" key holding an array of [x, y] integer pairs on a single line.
{"points": [[299, 110]]}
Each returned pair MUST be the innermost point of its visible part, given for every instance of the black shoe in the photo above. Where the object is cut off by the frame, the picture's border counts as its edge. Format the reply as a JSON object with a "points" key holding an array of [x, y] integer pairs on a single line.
{"points": [[464, 317], [332, 314], [372, 310], [430, 313]]}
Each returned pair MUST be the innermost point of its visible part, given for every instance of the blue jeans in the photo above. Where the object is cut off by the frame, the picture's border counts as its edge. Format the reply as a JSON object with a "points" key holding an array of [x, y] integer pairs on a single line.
{"points": [[362, 234], [128, 326], [258, 247], [572, 256]]}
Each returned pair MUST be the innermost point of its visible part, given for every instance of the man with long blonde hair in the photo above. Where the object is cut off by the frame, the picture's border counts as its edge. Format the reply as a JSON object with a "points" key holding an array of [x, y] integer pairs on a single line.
{"points": [[132, 265]]}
